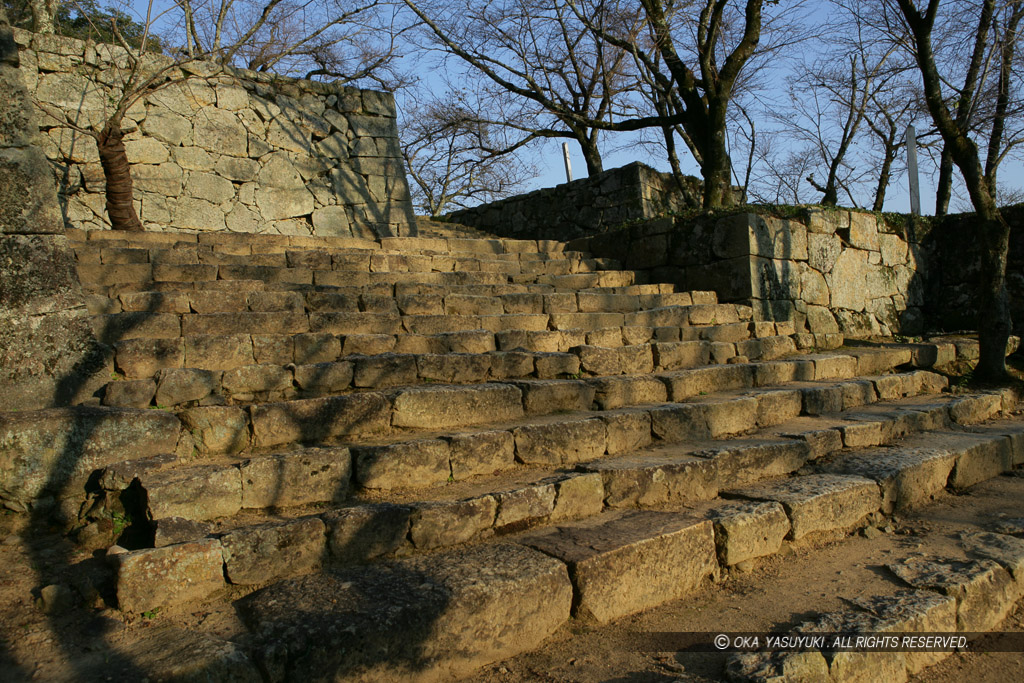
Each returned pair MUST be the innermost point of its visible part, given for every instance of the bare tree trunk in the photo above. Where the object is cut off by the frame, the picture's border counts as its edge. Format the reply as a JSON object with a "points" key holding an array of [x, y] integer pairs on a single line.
{"points": [[883, 179], [591, 153], [992, 229], [44, 14], [944, 187], [117, 173]]}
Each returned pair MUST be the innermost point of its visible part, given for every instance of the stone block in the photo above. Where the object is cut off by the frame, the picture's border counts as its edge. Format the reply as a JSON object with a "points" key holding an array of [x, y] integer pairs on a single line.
{"points": [[746, 531], [628, 430], [820, 502], [627, 564], [366, 532], [186, 385], [544, 397], [561, 443], [444, 407], [163, 577], [984, 592], [524, 507], [252, 379], [198, 493], [465, 608], [324, 378], [654, 480], [616, 392], [578, 496], [436, 525], [129, 393], [481, 453], [907, 477], [314, 420], [409, 464], [310, 475], [385, 370], [217, 429], [213, 352], [264, 553]]}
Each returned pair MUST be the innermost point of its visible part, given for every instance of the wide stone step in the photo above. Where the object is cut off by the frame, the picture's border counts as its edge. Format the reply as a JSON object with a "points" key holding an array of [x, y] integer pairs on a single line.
{"points": [[695, 471], [942, 595], [616, 563], [464, 405], [384, 318], [212, 370], [451, 301]]}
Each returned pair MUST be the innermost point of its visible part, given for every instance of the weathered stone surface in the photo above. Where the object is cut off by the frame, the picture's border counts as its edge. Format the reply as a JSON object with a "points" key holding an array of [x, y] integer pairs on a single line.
{"points": [[525, 506], [163, 577], [745, 531], [820, 502], [543, 397], [652, 480], [614, 392], [310, 475], [435, 617], [912, 612], [358, 534], [978, 457], [984, 591], [578, 496], [318, 419], [561, 443], [628, 431], [198, 493], [435, 525], [403, 465], [444, 407], [182, 655], [907, 477], [481, 453], [267, 552], [55, 451], [625, 564], [183, 385]]}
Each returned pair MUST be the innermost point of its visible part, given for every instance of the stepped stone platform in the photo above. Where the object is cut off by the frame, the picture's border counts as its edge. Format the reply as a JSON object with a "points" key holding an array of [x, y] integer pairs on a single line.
{"points": [[409, 458]]}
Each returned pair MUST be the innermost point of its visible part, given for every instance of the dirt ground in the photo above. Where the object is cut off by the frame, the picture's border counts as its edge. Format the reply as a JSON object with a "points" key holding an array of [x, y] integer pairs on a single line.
{"points": [[90, 642]]}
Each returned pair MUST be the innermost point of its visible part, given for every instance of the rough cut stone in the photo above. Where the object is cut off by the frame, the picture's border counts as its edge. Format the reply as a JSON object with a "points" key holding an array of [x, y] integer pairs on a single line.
{"points": [[820, 502], [446, 407], [745, 531], [310, 475], [622, 565], [163, 577], [267, 552], [437, 617]]}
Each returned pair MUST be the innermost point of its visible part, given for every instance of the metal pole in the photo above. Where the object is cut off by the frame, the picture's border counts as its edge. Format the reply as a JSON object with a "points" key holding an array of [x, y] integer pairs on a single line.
{"points": [[915, 186], [568, 164]]}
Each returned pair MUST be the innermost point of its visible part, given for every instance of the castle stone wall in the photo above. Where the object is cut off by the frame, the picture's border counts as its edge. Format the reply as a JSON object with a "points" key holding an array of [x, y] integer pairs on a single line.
{"points": [[223, 150]]}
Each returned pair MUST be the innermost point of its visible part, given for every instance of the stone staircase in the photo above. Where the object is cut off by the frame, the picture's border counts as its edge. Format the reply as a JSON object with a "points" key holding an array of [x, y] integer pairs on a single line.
{"points": [[410, 458]]}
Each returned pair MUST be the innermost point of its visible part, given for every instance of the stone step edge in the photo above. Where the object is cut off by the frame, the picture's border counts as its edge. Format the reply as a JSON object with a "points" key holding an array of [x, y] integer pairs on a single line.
{"points": [[438, 408], [188, 386], [197, 302], [964, 597], [537, 502], [212, 559], [77, 236]]}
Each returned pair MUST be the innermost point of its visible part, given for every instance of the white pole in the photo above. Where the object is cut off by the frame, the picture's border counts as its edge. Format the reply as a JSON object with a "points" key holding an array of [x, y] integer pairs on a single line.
{"points": [[568, 164], [915, 186]]}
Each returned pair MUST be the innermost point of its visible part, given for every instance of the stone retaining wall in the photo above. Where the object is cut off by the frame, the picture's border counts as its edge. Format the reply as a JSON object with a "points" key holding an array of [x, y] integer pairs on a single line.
{"points": [[583, 207], [953, 250], [827, 270], [47, 352], [238, 151]]}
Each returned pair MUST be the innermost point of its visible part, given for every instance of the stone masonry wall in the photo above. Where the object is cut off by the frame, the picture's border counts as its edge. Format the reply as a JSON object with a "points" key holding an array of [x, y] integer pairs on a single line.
{"points": [[238, 150], [828, 271], [954, 251], [47, 352], [583, 207]]}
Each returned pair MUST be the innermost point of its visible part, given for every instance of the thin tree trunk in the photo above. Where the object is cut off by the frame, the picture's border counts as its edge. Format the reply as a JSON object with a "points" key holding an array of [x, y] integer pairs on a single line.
{"points": [[944, 187], [117, 173], [591, 153], [883, 180]]}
